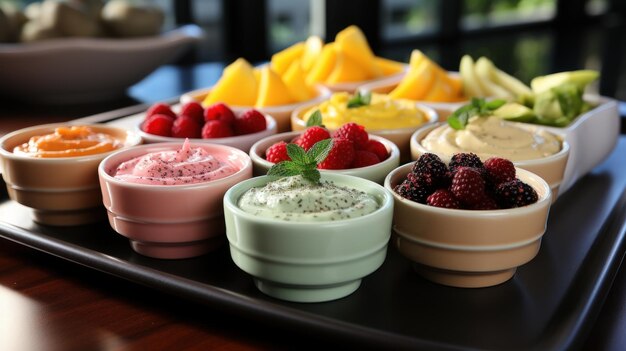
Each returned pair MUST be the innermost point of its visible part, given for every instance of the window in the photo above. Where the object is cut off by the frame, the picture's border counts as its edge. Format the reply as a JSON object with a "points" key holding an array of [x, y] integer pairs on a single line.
{"points": [[491, 13]]}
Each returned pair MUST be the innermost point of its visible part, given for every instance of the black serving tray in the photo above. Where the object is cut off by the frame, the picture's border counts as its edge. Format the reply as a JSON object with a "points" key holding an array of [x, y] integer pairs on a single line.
{"points": [[550, 303]]}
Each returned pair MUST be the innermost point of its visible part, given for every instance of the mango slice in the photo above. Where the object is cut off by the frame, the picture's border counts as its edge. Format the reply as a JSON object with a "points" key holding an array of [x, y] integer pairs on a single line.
{"points": [[347, 70], [237, 86], [388, 67], [295, 80], [352, 43], [312, 51], [322, 68], [272, 90], [281, 60]]}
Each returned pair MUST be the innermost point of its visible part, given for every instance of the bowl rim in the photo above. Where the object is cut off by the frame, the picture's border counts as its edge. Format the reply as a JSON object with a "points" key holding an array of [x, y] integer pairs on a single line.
{"points": [[135, 140], [106, 177], [382, 195], [544, 199]]}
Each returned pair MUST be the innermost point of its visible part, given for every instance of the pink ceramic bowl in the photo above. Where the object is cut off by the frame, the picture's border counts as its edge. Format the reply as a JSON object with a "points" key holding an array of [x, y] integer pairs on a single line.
{"points": [[170, 221]]}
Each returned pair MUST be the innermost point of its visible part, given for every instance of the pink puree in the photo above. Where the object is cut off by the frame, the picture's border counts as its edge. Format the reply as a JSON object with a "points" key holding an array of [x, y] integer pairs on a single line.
{"points": [[185, 166]]}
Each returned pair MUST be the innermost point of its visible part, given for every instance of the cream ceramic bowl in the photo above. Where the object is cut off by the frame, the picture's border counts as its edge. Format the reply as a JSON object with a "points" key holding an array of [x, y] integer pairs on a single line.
{"points": [[352, 87], [169, 221], [241, 142], [281, 113], [60, 191], [551, 168], [468, 248], [309, 262], [399, 136], [375, 173]]}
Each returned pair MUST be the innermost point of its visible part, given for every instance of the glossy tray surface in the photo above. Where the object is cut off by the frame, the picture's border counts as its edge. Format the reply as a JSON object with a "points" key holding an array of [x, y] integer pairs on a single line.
{"points": [[549, 304]]}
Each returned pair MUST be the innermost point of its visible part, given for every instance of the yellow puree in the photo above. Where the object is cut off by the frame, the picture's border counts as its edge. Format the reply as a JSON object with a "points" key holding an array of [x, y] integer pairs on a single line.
{"points": [[68, 142], [382, 113]]}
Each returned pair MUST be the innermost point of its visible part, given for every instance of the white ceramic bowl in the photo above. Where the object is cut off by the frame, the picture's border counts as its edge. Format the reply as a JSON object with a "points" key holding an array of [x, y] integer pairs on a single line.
{"points": [[375, 173], [72, 70]]}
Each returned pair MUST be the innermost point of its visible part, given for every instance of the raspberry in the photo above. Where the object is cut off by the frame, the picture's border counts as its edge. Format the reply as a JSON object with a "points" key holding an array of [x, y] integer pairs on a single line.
{"points": [[160, 109], [311, 136], [499, 170], [431, 170], [413, 191], [443, 198], [186, 127], [468, 185], [378, 148], [251, 121], [219, 112], [158, 125], [277, 152], [340, 156], [364, 159], [465, 160], [193, 110], [216, 129], [515, 193], [354, 132], [485, 203]]}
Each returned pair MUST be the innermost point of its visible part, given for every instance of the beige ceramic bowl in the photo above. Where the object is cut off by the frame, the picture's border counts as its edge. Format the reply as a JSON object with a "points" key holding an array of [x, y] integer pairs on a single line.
{"points": [[466, 248], [241, 142], [61, 191], [399, 136], [281, 113], [551, 168], [170, 221], [375, 173], [352, 87]]}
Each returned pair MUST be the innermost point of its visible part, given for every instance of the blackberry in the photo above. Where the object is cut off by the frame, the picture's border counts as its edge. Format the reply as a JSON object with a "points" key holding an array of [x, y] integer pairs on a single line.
{"points": [[430, 170], [486, 203], [515, 193], [466, 160], [413, 191]]}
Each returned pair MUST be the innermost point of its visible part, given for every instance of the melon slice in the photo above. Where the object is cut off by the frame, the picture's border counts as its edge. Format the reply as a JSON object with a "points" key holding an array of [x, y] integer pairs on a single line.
{"points": [[237, 86]]}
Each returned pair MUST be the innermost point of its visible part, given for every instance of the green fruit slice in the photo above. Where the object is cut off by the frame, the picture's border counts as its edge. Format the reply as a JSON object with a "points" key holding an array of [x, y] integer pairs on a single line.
{"points": [[515, 112], [580, 78]]}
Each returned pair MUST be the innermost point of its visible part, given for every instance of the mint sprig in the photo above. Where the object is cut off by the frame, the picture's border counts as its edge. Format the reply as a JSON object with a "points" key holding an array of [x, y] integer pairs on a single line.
{"points": [[302, 162], [477, 107], [359, 99], [315, 119]]}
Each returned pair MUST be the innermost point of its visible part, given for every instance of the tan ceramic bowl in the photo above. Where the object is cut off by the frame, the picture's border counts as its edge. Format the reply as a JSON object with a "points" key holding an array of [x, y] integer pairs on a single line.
{"points": [[375, 173], [61, 191], [170, 221], [399, 136], [466, 248], [551, 168], [281, 113]]}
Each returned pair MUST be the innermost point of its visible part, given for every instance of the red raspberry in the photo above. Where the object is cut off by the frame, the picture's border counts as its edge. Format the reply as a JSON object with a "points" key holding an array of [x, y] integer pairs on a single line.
{"points": [[160, 109], [251, 121], [193, 110], [216, 129], [354, 132], [158, 125], [499, 170], [378, 148], [311, 136], [468, 185], [340, 156], [277, 152], [515, 193], [186, 127], [364, 158], [486, 203], [443, 198], [219, 112]]}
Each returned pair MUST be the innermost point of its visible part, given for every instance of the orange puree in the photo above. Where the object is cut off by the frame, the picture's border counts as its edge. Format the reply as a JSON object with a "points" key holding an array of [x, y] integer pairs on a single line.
{"points": [[68, 142]]}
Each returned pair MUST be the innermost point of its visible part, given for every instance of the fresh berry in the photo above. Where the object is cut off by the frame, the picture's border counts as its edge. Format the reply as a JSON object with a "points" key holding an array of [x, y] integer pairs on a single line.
{"points": [[378, 148], [354, 132], [364, 158], [443, 198], [251, 121], [186, 127], [515, 193], [413, 191], [431, 170], [160, 109], [277, 152], [485, 203], [340, 156], [311, 136], [158, 125], [468, 185], [465, 160], [499, 170], [219, 112], [193, 110], [216, 129]]}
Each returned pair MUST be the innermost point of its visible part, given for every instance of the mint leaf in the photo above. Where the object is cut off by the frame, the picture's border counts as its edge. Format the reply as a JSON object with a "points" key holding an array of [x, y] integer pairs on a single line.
{"points": [[320, 150], [302, 162], [458, 119], [312, 175], [315, 119], [495, 104], [359, 99], [477, 107], [283, 169], [297, 154]]}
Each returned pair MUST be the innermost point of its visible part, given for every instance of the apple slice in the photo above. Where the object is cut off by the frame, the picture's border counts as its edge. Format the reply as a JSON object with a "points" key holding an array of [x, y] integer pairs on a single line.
{"points": [[484, 73], [471, 84], [581, 78]]}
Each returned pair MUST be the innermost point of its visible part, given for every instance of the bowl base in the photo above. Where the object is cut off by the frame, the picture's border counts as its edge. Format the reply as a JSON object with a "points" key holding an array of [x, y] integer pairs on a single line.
{"points": [[177, 250], [69, 218], [307, 293], [461, 279]]}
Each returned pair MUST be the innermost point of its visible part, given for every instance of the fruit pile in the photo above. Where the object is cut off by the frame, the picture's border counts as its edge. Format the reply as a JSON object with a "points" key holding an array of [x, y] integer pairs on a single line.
{"points": [[194, 121], [352, 147], [467, 183]]}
